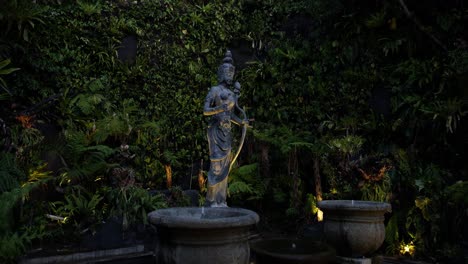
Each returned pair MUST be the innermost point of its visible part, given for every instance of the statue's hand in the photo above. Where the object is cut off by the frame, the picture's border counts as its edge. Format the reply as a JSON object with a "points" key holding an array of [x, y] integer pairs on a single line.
{"points": [[245, 122], [221, 108], [237, 87]]}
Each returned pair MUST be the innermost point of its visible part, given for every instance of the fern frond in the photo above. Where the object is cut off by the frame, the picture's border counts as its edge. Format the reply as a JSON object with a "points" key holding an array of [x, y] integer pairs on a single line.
{"points": [[87, 103], [9, 199], [10, 175], [102, 151], [240, 187], [7, 182], [246, 170], [376, 20]]}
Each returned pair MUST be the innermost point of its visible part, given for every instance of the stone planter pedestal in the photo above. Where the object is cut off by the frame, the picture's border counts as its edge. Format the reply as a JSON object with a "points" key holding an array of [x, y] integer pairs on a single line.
{"points": [[191, 235], [355, 228]]}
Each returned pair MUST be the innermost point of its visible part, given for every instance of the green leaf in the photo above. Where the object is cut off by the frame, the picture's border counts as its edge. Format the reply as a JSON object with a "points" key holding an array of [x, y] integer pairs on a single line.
{"points": [[4, 71], [423, 204], [419, 183], [8, 71], [239, 187], [4, 63]]}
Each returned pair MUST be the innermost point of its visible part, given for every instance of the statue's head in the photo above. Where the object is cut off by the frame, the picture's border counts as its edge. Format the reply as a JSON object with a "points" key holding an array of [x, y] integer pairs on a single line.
{"points": [[226, 70]]}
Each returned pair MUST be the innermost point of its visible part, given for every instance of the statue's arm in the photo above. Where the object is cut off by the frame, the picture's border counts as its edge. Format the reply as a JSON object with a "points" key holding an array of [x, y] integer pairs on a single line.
{"points": [[208, 108], [236, 120]]}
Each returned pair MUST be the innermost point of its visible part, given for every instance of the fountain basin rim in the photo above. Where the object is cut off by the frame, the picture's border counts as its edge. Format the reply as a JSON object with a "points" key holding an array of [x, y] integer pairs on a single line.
{"points": [[190, 217], [354, 205]]}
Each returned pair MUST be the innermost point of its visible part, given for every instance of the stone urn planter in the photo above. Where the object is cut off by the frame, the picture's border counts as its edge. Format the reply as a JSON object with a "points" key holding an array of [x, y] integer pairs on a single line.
{"points": [[292, 251], [203, 235], [355, 228]]}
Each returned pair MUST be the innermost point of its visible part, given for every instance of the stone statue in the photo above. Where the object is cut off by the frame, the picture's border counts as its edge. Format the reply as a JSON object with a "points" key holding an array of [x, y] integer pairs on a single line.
{"points": [[220, 104]]}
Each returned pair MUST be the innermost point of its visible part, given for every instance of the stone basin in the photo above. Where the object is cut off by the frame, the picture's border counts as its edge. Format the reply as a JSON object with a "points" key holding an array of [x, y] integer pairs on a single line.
{"points": [[292, 251], [203, 235], [355, 228]]}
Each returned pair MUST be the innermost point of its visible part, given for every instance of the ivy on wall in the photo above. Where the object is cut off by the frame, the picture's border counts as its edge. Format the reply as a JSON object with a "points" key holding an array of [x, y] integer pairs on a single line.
{"points": [[372, 93]]}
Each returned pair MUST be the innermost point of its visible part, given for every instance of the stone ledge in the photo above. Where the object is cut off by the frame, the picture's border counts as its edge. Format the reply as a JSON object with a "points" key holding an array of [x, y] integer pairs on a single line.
{"points": [[92, 256], [344, 260]]}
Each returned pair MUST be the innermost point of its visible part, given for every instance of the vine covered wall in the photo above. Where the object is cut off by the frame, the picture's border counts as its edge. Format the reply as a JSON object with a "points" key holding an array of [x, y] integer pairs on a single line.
{"points": [[101, 100]]}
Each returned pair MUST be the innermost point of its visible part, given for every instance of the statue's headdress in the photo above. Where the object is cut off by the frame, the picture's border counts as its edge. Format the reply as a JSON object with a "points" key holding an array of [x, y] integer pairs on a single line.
{"points": [[226, 67]]}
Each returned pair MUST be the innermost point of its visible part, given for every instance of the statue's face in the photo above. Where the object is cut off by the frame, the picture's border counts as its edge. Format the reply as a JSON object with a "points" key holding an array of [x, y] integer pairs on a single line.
{"points": [[226, 73]]}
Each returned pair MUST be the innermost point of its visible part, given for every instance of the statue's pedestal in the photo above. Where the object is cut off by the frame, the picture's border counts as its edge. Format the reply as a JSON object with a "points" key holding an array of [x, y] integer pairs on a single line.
{"points": [[347, 260]]}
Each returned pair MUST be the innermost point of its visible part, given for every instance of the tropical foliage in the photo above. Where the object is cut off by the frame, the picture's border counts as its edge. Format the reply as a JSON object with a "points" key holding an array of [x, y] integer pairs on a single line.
{"points": [[101, 101]]}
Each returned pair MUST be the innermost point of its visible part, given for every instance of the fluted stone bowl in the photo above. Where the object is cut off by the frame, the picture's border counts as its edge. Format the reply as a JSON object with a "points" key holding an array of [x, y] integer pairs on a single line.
{"points": [[355, 228], [192, 235]]}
